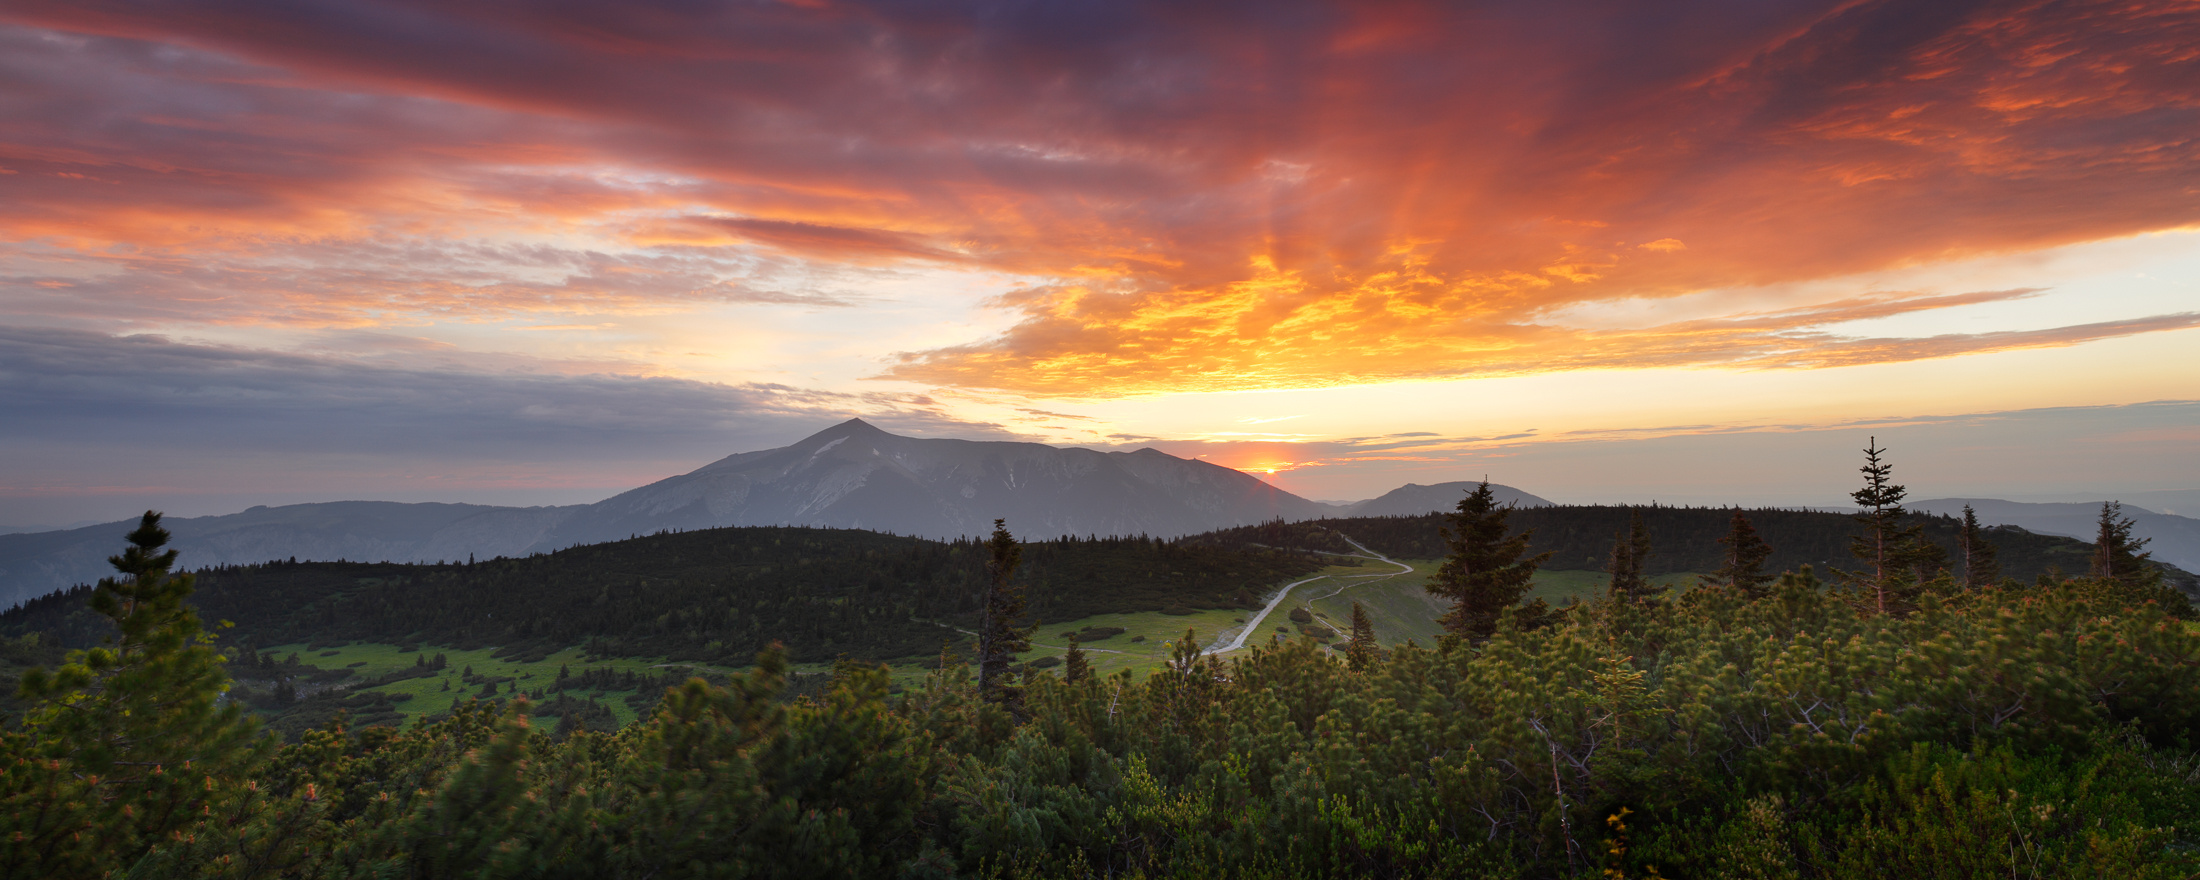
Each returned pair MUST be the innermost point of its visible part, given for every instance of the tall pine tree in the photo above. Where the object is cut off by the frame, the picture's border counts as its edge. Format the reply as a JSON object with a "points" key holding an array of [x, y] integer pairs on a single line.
{"points": [[2116, 554], [1887, 544], [1000, 639], [1484, 576]]}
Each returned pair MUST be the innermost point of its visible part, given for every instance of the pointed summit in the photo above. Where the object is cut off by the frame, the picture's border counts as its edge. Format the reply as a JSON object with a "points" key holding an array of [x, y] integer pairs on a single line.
{"points": [[842, 431]]}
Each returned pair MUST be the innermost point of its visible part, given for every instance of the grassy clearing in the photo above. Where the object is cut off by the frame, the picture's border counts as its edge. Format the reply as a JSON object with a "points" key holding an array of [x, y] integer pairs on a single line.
{"points": [[1399, 606], [1402, 609], [1145, 643], [1147, 639], [1563, 587], [438, 694]]}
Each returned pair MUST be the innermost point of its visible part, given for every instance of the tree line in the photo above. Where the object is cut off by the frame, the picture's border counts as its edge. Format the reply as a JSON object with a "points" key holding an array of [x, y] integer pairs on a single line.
{"points": [[1683, 539], [713, 595]]}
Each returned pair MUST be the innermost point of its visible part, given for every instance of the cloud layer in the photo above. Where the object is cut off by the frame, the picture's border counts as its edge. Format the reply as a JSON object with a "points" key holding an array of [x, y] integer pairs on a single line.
{"points": [[1212, 196], [220, 403]]}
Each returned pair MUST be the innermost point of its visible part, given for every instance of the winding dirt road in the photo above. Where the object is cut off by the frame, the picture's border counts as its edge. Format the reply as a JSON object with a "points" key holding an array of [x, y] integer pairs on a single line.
{"points": [[1252, 626]]}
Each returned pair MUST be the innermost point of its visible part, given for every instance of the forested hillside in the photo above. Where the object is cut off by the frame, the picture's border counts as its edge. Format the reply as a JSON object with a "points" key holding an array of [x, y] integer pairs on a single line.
{"points": [[712, 595], [1682, 539]]}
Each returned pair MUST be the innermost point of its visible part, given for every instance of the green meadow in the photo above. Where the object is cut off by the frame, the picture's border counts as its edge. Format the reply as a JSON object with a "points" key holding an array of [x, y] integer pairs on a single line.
{"points": [[1398, 604], [436, 695]]}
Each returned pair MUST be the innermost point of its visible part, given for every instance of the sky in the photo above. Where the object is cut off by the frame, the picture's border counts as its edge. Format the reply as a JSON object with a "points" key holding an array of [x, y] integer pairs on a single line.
{"points": [[533, 253]]}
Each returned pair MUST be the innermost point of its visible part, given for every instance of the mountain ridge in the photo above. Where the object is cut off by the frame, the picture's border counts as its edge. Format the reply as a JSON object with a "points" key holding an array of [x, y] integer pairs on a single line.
{"points": [[2172, 538], [849, 475], [854, 475]]}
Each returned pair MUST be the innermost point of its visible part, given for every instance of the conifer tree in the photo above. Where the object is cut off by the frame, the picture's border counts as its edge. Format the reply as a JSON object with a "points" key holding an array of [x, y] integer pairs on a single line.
{"points": [[135, 727], [1362, 650], [1484, 576], [1744, 565], [1980, 568], [999, 638], [2116, 555], [1886, 543], [1075, 667], [1629, 550]]}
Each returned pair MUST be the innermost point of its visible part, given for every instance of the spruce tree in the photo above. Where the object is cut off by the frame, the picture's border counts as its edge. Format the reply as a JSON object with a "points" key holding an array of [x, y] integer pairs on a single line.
{"points": [[1980, 568], [999, 638], [1484, 576], [1886, 543], [2116, 555], [1075, 667], [1362, 651], [133, 734], [1629, 550], [1744, 565]]}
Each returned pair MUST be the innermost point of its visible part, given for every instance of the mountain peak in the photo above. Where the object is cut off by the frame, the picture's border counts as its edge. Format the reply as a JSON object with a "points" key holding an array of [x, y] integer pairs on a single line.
{"points": [[849, 428]]}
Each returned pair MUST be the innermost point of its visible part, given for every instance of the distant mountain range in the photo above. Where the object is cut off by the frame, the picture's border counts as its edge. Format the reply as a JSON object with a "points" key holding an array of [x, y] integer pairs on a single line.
{"points": [[851, 475], [854, 475], [2173, 539]]}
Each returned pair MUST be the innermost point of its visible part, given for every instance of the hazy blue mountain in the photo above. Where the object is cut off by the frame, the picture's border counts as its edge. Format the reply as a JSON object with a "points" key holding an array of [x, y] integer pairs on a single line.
{"points": [[1414, 499], [365, 531], [2175, 502], [11, 530], [2173, 539], [853, 475]]}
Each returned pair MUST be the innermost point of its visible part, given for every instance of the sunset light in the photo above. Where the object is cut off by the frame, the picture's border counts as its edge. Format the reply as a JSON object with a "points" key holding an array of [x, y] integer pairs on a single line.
{"points": [[1000, 439], [1404, 239]]}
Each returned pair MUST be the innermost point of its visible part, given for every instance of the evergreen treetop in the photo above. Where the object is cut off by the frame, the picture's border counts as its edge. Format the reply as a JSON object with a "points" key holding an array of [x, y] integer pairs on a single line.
{"points": [[1630, 550], [2116, 553], [1362, 652], [1000, 638], [1887, 544], [1075, 667], [135, 730], [1746, 552], [1484, 575]]}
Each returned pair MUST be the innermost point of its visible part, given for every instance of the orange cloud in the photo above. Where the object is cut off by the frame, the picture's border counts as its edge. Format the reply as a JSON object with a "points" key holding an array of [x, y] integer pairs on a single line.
{"points": [[1281, 196]]}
